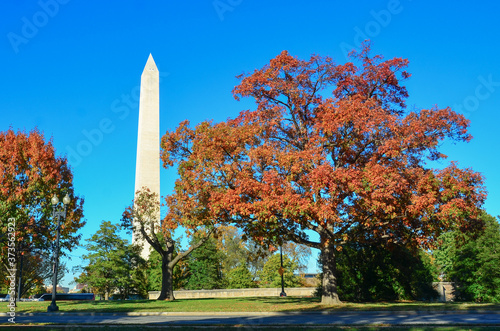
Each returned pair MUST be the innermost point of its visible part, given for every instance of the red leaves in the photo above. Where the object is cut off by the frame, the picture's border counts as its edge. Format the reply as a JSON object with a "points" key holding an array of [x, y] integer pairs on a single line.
{"points": [[377, 80], [30, 173], [346, 165]]}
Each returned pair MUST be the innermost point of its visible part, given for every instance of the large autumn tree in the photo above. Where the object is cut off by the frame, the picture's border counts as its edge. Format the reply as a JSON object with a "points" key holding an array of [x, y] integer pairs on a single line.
{"points": [[330, 148], [30, 174]]}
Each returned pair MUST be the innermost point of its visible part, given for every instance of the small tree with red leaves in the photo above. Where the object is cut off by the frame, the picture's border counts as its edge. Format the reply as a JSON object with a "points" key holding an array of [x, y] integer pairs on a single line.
{"points": [[30, 174]]}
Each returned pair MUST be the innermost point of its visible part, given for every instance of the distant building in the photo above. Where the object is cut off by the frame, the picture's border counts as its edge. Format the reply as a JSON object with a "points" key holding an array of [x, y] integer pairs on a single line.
{"points": [[78, 288], [59, 289]]}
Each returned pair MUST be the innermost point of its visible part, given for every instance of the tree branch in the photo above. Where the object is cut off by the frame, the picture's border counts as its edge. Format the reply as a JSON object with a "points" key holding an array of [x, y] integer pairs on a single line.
{"points": [[303, 241], [182, 255]]}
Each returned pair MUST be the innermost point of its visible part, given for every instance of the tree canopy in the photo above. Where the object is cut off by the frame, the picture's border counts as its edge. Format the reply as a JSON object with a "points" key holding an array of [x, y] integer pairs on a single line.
{"points": [[30, 174], [330, 148], [240, 277], [269, 275], [205, 267], [112, 263]]}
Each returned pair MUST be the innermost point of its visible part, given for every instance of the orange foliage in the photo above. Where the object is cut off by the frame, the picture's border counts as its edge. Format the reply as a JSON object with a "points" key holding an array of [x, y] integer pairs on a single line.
{"points": [[30, 174], [330, 148]]}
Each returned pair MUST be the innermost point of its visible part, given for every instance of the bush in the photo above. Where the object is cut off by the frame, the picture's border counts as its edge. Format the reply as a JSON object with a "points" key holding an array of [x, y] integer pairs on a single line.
{"points": [[379, 273], [240, 277]]}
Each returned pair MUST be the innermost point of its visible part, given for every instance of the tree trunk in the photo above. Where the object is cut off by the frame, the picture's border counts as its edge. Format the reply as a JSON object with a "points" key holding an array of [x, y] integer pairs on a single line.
{"points": [[20, 287], [167, 291], [168, 262], [329, 295]]}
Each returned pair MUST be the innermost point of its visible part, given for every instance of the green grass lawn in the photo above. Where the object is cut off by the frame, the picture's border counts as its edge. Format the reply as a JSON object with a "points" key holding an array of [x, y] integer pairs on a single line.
{"points": [[256, 304]]}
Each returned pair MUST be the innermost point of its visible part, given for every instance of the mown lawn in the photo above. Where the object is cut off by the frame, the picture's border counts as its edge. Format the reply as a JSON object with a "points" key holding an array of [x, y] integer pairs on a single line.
{"points": [[256, 304]]}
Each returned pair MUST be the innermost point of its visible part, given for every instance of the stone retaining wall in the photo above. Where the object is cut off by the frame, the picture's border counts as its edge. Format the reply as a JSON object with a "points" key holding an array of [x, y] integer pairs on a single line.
{"points": [[445, 290], [233, 293]]}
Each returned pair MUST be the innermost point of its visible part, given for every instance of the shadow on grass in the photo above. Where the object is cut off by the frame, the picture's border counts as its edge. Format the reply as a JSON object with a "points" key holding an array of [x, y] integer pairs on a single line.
{"points": [[400, 306], [278, 300], [250, 304], [312, 304]]}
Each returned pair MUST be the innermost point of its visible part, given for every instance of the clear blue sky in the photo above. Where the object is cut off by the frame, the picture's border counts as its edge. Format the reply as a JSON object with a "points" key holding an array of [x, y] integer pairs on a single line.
{"points": [[69, 67]]}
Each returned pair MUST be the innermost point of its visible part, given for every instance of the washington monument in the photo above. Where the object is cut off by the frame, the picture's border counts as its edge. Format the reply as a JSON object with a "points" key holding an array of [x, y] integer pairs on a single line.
{"points": [[147, 169]]}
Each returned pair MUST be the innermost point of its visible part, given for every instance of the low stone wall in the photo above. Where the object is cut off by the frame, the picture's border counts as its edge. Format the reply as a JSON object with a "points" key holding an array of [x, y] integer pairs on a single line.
{"points": [[233, 293], [446, 291]]}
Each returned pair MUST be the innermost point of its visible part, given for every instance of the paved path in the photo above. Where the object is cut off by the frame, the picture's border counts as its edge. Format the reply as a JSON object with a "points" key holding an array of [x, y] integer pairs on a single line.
{"points": [[249, 319]]}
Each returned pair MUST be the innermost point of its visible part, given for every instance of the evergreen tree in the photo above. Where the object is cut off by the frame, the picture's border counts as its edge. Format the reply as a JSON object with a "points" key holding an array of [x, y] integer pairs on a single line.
{"points": [[205, 266], [240, 277], [473, 262], [112, 264]]}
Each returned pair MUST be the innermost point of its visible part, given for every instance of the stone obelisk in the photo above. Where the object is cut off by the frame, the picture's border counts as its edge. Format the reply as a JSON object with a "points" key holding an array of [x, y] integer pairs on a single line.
{"points": [[147, 171]]}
